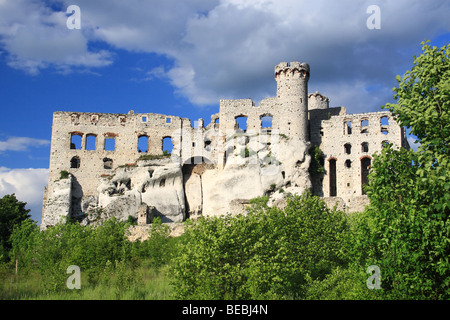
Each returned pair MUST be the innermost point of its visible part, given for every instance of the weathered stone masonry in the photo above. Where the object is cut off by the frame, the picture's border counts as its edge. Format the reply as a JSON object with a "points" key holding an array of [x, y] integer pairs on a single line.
{"points": [[116, 165]]}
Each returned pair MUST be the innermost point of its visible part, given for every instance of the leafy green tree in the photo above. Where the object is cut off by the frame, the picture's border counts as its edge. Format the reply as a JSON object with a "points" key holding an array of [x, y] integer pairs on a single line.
{"points": [[266, 254], [12, 213], [316, 165], [342, 284], [409, 232], [24, 239], [158, 248], [423, 104], [90, 248], [108, 242]]}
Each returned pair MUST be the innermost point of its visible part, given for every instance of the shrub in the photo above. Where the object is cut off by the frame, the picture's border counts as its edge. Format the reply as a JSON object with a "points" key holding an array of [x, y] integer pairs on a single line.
{"points": [[266, 254], [64, 174]]}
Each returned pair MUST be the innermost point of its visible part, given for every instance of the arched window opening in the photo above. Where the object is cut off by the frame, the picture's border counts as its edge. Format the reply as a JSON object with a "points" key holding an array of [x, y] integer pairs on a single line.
{"points": [[162, 183], [143, 144], [348, 127], [384, 124], [266, 121], [207, 144], [365, 147], [365, 168], [91, 140], [216, 123], [384, 121], [167, 145], [348, 148], [75, 163], [332, 175], [365, 126], [241, 123], [75, 141]]}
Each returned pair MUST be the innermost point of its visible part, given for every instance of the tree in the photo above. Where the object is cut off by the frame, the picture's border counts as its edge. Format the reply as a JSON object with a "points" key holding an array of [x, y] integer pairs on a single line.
{"points": [[24, 239], [409, 209], [423, 101], [12, 213], [268, 253]]}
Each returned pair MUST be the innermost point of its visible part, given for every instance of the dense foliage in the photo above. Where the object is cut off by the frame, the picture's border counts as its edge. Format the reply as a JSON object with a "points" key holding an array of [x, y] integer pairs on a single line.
{"points": [[268, 253], [410, 191], [316, 165], [104, 253], [12, 213]]}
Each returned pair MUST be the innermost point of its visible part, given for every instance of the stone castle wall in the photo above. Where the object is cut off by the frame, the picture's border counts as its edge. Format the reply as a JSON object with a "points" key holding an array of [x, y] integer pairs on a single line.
{"points": [[115, 161]]}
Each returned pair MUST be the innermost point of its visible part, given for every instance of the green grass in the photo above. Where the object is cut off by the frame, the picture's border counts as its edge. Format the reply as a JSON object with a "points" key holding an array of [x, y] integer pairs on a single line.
{"points": [[147, 283], [165, 154]]}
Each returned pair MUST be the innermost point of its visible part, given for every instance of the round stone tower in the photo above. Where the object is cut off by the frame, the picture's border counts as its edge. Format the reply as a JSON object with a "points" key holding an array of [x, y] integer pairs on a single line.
{"points": [[317, 101], [292, 92]]}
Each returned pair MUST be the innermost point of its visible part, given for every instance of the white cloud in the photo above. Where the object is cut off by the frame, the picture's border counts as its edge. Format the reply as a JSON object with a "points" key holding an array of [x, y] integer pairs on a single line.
{"points": [[413, 142], [228, 48], [21, 144], [28, 186], [232, 51], [36, 37]]}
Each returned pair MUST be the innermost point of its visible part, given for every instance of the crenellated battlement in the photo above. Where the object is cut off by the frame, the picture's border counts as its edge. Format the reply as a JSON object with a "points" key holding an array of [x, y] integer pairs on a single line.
{"points": [[292, 69], [292, 93], [317, 101]]}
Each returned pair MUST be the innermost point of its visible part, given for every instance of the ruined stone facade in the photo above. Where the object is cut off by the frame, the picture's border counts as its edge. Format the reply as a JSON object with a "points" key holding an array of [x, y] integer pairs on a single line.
{"points": [[104, 165]]}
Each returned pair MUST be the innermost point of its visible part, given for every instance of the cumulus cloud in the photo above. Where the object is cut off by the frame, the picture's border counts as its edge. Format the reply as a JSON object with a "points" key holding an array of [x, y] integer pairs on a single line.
{"points": [[21, 144], [37, 37], [232, 50], [228, 48], [27, 185], [413, 142]]}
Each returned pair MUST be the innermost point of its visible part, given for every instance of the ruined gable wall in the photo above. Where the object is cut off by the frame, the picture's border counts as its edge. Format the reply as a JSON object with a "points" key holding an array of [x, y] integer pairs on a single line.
{"points": [[231, 109], [125, 129], [365, 128]]}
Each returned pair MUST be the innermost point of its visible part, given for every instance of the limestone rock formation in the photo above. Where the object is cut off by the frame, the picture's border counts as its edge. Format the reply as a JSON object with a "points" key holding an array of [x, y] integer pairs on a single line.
{"points": [[287, 168], [59, 202], [174, 191]]}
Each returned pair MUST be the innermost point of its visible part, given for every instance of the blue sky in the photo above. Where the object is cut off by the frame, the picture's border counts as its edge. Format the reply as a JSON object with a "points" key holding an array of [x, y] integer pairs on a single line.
{"points": [[180, 57]]}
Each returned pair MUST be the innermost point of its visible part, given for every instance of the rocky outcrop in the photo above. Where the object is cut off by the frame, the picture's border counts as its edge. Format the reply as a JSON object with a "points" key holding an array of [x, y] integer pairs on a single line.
{"points": [[157, 184], [287, 169], [58, 204]]}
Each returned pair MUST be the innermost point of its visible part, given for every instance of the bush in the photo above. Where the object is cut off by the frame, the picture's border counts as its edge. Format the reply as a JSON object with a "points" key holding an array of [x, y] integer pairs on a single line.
{"points": [[267, 254], [405, 234], [109, 262], [24, 240], [64, 174], [12, 214], [342, 284], [157, 249], [409, 237]]}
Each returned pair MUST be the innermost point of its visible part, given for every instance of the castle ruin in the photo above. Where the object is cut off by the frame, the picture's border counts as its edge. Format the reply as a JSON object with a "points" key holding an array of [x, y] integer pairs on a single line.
{"points": [[104, 165]]}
